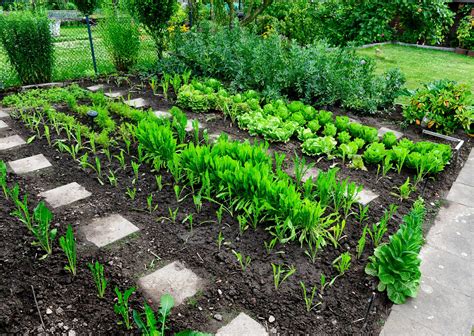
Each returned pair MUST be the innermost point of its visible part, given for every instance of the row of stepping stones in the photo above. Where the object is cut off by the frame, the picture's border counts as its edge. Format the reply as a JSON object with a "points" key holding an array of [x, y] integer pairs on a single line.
{"points": [[174, 278]]}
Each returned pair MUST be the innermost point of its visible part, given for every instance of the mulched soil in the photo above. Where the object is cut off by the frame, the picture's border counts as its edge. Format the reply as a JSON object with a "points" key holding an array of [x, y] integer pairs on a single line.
{"points": [[350, 306]]}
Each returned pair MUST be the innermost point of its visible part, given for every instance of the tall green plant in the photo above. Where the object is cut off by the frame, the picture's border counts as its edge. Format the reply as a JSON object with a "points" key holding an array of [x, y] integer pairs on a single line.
{"points": [[396, 263], [27, 40]]}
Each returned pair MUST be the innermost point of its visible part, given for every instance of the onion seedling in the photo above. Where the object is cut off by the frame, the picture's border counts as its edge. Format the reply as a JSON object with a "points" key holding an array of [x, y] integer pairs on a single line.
{"points": [[281, 274], [68, 245], [121, 307], [100, 281]]}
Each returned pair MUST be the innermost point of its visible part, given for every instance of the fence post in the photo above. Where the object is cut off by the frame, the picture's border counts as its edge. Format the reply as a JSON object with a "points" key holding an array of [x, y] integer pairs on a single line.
{"points": [[91, 43]]}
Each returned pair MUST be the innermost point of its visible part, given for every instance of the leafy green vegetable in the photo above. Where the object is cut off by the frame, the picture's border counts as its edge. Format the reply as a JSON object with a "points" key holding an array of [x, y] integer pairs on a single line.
{"points": [[323, 145], [374, 153]]}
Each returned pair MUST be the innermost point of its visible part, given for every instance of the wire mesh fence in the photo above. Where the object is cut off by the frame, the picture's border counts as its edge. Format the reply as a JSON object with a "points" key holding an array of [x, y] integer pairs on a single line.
{"points": [[72, 51]]}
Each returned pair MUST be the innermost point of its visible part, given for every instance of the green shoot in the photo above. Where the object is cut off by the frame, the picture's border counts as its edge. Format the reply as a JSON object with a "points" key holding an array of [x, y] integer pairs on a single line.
{"points": [[404, 190], [149, 204], [112, 178], [361, 242], [309, 299], [132, 193], [121, 307], [219, 215], [243, 261], [342, 263], [280, 273], [68, 245], [100, 281], [159, 183], [3, 178], [21, 212], [42, 232], [135, 167], [220, 240]]}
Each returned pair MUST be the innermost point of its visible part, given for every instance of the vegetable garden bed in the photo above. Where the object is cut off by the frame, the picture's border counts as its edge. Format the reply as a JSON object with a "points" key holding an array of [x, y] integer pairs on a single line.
{"points": [[203, 242]]}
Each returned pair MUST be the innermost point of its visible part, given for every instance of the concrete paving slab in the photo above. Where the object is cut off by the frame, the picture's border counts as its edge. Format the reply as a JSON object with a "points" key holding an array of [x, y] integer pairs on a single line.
{"points": [[311, 173], [162, 114], [446, 269], [438, 308], [11, 142], [29, 164], [242, 325], [384, 130], [137, 103], [95, 88], [408, 327], [189, 125], [453, 230], [104, 231], [3, 125], [461, 193], [366, 196], [4, 114], [466, 175], [43, 86], [65, 194], [174, 279], [113, 94]]}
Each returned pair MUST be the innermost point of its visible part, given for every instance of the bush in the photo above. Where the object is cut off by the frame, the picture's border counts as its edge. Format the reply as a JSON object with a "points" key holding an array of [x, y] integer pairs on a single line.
{"points": [[443, 105], [397, 264], [27, 40], [465, 33], [278, 68], [121, 36]]}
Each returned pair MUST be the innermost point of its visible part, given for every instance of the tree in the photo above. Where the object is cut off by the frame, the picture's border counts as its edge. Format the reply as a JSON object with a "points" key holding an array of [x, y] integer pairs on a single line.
{"points": [[86, 7], [154, 15]]}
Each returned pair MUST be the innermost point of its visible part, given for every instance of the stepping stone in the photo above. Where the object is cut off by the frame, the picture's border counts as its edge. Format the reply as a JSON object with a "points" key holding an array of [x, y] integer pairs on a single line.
{"points": [[311, 173], [43, 86], [162, 114], [104, 231], [3, 125], [11, 142], [65, 194], [242, 325], [137, 103], [214, 136], [113, 94], [366, 196], [96, 88], [461, 193], [384, 130], [189, 125], [4, 114], [174, 279], [29, 164]]}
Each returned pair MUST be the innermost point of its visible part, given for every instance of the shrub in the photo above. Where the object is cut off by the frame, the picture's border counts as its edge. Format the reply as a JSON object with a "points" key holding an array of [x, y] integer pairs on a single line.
{"points": [[86, 7], [154, 15], [277, 67], [465, 33], [441, 105], [396, 263], [121, 36], [27, 40]]}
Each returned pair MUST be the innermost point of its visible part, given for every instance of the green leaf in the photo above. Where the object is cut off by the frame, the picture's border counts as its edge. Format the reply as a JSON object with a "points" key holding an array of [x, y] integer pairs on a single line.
{"points": [[31, 139], [166, 304]]}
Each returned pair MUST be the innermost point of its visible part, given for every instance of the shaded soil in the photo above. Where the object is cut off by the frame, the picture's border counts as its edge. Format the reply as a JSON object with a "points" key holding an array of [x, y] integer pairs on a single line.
{"points": [[344, 306]]}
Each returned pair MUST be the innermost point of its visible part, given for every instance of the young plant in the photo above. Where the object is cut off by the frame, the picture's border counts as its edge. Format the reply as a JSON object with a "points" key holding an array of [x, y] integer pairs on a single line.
{"points": [[301, 167], [342, 263], [149, 326], [361, 242], [243, 224], [335, 233], [314, 247], [21, 212], [149, 204], [135, 167], [3, 178], [363, 214], [220, 240], [121, 307], [197, 199], [159, 182], [121, 159], [97, 270], [281, 273], [112, 178], [42, 232], [176, 82], [244, 262], [378, 229], [189, 218], [309, 299], [68, 245], [165, 84], [219, 214], [132, 193], [404, 190], [153, 84]]}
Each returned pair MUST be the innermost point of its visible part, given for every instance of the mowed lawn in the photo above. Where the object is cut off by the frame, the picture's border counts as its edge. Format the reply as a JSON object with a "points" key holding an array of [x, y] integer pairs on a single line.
{"points": [[422, 65]]}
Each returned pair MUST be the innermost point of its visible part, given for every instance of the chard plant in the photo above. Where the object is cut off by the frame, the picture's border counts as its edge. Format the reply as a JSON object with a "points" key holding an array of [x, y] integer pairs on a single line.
{"points": [[244, 261], [97, 270], [42, 229], [22, 213], [281, 274], [121, 308], [68, 245]]}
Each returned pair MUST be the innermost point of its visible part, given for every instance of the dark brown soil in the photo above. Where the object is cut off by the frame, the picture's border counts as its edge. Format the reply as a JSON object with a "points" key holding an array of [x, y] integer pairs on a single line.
{"points": [[228, 290]]}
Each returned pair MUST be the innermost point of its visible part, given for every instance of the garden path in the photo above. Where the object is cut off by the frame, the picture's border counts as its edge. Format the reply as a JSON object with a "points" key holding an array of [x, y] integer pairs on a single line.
{"points": [[444, 305]]}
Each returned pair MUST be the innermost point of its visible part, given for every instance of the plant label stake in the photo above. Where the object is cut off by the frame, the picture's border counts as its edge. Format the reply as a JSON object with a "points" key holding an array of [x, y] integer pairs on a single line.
{"points": [[91, 43]]}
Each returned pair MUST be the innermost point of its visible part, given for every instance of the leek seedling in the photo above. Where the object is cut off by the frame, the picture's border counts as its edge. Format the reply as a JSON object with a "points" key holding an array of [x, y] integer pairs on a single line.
{"points": [[342, 263], [244, 262], [309, 299], [100, 281], [44, 236], [68, 245], [121, 307], [280, 274]]}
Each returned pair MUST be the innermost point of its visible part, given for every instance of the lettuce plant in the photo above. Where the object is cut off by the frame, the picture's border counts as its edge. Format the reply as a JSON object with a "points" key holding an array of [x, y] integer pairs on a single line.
{"points": [[374, 153], [389, 139], [396, 264], [323, 145]]}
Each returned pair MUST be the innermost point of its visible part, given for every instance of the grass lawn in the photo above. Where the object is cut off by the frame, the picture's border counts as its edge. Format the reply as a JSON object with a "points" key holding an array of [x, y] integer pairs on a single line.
{"points": [[423, 65]]}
